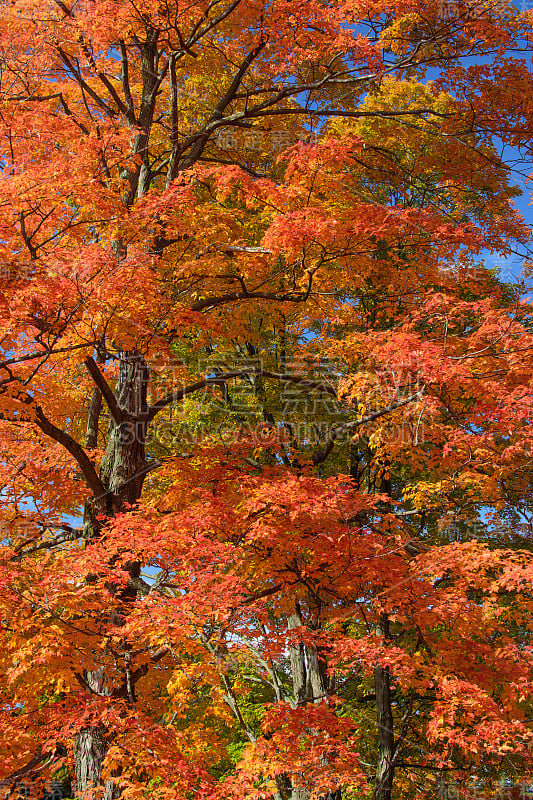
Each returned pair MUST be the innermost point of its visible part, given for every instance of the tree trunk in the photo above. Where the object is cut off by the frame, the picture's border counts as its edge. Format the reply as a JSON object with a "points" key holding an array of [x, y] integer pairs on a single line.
{"points": [[385, 720], [90, 747], [309, 686], [124, 465], [122, 472]]}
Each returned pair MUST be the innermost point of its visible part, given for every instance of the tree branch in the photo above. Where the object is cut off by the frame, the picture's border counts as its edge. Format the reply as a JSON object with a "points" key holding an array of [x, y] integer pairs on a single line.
{"points": [[221, 380], [75, 450], [31, 768], [218, 111], [232, 297], [100, 382], [70, 536], [321, 455], [111, 113], [175, 397]]}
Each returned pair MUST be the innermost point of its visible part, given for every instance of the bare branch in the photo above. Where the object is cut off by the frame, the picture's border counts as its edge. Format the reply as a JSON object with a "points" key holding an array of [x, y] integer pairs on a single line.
{"points": [[126, 80], [100, 382], [321, 455], [218, 111], [70, 536], [41, 354], [233, 297], [74, 448], [29, 769], [221, 380], [84, 85], [175, 397]]}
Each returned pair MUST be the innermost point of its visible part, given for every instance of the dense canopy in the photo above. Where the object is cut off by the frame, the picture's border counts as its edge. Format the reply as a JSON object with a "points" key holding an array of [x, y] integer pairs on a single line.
{"points": [[265, 407]]}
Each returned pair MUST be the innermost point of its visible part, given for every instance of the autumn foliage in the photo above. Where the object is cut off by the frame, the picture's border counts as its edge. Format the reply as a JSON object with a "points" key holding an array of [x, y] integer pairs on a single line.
{"points": [[265, 404]]}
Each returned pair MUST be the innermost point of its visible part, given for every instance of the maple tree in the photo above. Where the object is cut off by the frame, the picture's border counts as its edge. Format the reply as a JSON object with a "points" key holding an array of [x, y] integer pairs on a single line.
{"points": [[224, 573]]}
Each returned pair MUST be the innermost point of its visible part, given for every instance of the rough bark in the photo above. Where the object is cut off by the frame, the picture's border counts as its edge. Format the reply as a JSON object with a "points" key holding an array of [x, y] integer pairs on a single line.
{"points": [[122, 473], [90, 747], [385, 720], [309, 686], [124, 464]]}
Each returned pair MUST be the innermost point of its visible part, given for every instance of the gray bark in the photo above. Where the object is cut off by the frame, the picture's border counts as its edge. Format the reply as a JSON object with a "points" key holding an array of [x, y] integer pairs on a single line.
{"points": [[90, 747], [124, 465], [122, 472], [385, 720], [309, 686]]}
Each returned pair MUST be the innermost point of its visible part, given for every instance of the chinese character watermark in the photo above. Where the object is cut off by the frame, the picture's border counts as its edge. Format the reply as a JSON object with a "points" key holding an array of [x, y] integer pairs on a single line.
{"points": [[311, 389], [257, 140], [14, 272]]}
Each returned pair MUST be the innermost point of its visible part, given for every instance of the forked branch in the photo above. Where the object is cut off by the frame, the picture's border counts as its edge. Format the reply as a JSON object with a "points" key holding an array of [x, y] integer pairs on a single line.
{"points": [[320, 455]]}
